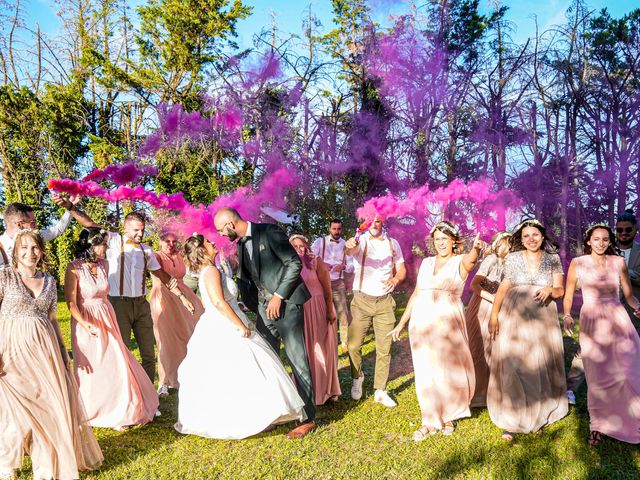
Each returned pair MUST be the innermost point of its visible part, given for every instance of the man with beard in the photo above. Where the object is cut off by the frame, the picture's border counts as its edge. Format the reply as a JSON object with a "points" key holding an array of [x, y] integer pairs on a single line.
{"points": [[331, 249], [379, 268], [626, 230]]}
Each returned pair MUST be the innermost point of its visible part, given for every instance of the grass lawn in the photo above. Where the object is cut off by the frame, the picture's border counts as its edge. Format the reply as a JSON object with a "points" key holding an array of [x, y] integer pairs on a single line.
{"points": [[363, 440]]}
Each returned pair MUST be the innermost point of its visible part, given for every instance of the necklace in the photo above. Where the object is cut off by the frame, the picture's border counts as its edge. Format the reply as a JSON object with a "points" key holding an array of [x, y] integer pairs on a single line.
{"points": [[23, 275]]}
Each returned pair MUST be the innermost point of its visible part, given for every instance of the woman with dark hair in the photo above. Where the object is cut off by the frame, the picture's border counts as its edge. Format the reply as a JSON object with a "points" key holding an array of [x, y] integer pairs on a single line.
{"points": [[442, 361], [115, 389], [320, 329], [173, 323], [232, 383], [40, 411], [484, 286], [609, 343], [527, 386]]}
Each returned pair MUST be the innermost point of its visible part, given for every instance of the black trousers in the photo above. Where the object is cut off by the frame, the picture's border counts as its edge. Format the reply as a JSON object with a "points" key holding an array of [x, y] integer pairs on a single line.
{"points": [[289, 328]]}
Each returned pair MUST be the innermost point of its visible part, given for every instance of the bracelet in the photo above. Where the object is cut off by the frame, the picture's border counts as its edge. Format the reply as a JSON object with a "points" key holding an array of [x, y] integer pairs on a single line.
{"points": [[180, 294], [567, 315]]}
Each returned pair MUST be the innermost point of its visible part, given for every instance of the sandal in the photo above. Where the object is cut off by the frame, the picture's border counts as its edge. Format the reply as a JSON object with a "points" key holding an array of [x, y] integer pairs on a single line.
{"points": [[448, 429], [595, 438], [508, 436], [421, 434]]}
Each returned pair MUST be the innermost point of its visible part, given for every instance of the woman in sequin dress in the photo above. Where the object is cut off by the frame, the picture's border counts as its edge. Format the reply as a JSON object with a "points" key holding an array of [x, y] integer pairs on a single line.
{"points": [[608, 340], [484, 286], [40, 410], [173, 324], [527, 386], [442, 361]]}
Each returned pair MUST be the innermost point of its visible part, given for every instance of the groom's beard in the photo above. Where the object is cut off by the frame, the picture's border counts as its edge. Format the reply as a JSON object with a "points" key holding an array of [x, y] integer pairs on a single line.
{"points": [[232, 235]]}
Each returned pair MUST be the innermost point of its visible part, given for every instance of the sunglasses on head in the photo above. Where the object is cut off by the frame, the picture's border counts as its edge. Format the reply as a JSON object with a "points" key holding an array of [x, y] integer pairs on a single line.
{"points": [[625, 229]]}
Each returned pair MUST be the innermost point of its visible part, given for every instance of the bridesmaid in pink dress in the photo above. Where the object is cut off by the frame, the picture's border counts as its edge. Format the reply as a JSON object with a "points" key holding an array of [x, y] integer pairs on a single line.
{"points": [[173, 324], [41, 412], [442, 361], [115, 389], [484, 286], [320, 330], [610, 344]]}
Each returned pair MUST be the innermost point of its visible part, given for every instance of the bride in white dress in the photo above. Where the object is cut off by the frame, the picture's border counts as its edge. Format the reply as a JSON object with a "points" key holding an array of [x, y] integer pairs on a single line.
{"points": [[232, 384]]}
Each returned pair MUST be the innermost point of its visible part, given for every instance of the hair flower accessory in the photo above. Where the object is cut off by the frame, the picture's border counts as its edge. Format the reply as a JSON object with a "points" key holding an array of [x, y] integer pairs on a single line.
{"points": [[529, 221], [194, 234], [593, 226], [446, 227]]}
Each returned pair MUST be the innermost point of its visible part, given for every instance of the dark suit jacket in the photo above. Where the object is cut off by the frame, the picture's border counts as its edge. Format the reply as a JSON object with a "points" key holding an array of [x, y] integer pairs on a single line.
{"points": [[277, 266]]}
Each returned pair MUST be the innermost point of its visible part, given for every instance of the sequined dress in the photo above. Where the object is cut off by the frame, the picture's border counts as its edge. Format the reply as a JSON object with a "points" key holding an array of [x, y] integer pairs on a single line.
{"points": [[40, 409], [477, 319], [527, 386]]}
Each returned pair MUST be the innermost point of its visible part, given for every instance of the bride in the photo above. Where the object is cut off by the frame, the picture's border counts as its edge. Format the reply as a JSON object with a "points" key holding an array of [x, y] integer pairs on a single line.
{"points": [[232, 384]]}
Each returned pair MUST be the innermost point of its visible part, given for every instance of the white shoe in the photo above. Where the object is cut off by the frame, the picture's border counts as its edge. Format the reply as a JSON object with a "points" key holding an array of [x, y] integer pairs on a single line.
{"points": [[158, 414], [356, 387], [571, 397], [381, 396], [7, 473], [163, 391]]}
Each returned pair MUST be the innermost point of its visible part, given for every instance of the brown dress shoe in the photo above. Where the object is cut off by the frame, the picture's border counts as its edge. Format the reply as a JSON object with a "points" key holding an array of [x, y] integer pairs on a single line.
{"points": [[301, 430]]}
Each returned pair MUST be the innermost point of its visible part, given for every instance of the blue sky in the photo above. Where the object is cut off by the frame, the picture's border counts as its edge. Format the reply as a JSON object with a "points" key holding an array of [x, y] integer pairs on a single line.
{"points": [[289, 14]]}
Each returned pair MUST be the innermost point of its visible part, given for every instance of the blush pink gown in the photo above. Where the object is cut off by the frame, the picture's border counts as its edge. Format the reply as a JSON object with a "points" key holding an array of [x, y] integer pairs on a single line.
{"points": [[321, 339], [173, 324], [115, 389], [442, 361], [610, 352]]}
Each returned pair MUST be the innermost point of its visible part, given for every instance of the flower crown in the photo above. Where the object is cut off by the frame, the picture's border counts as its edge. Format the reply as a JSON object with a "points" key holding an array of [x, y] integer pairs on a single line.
{"points": [[298, 236], [499, 237], [593, 226], [529, 221], [445, 227]]}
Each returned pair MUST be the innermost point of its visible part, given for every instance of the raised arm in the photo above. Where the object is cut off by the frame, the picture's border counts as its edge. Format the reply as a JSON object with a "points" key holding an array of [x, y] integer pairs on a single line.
{"points": [[470, 259], [213, 285]]}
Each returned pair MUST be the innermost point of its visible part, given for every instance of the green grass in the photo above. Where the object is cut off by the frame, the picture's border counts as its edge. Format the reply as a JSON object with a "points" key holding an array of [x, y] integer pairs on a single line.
{"points": [[364, 440]]}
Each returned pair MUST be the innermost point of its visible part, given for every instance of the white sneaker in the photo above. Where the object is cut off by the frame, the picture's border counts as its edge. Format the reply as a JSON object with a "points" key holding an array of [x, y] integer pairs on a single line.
{"points": [[163, 391], [7, 473], [356, 387], [158, 414], [571, 397], [381, 396]]}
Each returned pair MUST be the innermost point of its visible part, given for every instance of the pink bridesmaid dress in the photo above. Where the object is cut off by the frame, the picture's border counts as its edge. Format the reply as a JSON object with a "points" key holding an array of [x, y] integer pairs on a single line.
{"points": [[321, 339], [444, 374], [173, 324], [115, 389], [610, 352]]}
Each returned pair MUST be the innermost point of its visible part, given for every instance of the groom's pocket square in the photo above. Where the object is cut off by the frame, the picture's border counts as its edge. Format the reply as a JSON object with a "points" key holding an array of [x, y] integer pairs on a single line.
{"points": [[261, 248]]}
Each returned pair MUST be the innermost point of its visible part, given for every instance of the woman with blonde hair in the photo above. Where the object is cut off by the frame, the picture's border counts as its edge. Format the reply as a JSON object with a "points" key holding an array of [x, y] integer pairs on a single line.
{"points": [[442, 361], [320, 329], [484, 286], [40, 410]]}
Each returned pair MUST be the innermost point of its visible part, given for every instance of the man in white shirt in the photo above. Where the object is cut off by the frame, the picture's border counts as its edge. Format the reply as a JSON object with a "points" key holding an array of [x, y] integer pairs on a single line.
{"points": [[626, 231], [18, 216], [379, 268], [129, 260], [331, 249]]}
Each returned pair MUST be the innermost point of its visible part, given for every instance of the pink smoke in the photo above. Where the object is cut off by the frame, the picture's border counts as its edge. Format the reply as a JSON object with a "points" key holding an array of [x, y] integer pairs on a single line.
{"points": [[121, 174]]}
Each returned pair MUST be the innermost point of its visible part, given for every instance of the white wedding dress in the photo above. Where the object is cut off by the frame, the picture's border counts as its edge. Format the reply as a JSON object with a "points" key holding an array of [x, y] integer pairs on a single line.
{"points": [[231, 387]]}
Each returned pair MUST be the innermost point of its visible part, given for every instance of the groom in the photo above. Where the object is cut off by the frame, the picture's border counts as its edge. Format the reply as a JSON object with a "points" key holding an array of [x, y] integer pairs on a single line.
{"points": [[270, 285]]}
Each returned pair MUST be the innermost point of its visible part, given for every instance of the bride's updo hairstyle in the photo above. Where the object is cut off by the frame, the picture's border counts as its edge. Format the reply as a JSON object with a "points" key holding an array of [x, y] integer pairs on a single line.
{"points": [[195, 253]]}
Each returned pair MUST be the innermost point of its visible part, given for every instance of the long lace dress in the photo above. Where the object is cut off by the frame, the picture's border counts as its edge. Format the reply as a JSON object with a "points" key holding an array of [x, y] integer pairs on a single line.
{"points": [[231, 387], [173, 324], [439, 346], [477, 317], [320, 338], [40, 410], [610, 352], [114, 387], [527, 386]]}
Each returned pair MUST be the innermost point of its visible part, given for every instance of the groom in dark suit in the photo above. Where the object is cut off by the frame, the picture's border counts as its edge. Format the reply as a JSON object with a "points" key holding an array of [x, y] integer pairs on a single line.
{"points": [[271, 286]]}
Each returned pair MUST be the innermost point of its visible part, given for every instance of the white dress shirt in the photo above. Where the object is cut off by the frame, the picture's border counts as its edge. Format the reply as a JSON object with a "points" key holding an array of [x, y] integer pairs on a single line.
{"points": [[333, 255], [47, 235], [134, 260], [378, 266]]}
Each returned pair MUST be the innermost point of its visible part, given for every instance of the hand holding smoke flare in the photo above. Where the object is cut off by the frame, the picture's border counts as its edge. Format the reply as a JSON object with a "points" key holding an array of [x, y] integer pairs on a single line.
{"points": [[364, 226]]}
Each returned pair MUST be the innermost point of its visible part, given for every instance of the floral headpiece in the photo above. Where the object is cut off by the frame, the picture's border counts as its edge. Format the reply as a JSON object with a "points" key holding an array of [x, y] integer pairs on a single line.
{"points": [[499, 237], [528, 222], [445, 227], [297, 236], [593, 226]]}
